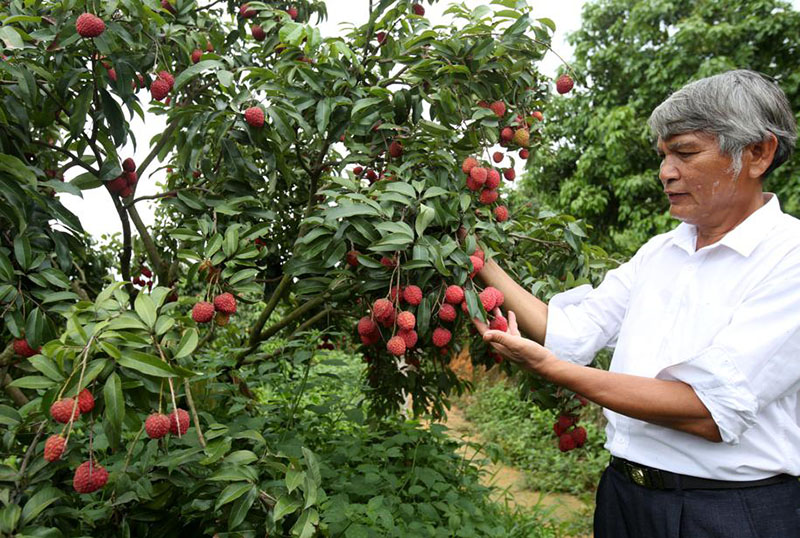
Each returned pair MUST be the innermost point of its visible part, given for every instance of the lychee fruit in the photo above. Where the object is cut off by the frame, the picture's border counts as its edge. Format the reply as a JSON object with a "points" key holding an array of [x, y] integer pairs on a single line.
{"points": [[371, 176], [564, 84], [499, 108], [537, 114], [203, 312], [389, 320], [489, 196], [468, 164], [473, 185], [389, 263], [221, 319], [477, 265], [409, 337], [524, 154], [167, 77], [89, 476], [447, 312], [396, 346], [23, 349], [357, 170], [124, 193], [441, 337], [498, 156], [566, 421], [352, 258], [159, 89], [367, 326], [370, 339], [488, 299], [61, 410], [130, 178], [419, 9], [196, 55], [506, 134], [254, 117], [166, 4], [258, 33], [566, 442], [501, 213], [521, 137], [89, 25], [454, 294], [395, 292], [579, 436], [509, 174], [480, 254], [85, 401], [381, 37], [492, 179], [478, 175], [292, 11], [225, 303], [246, 12], [396, 149], [156, 426], [382, 309], [412, 295], [406, 320], [129, 165], [499, 323], [54, 447], [178, 418]]}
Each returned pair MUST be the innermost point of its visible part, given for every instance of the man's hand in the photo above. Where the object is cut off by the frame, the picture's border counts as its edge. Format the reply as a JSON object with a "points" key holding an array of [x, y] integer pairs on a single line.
{"points": [[527, 353]]}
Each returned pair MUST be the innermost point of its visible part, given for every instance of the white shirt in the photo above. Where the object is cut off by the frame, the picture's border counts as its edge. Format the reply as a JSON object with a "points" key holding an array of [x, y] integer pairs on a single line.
{"points": [[724, 319]]}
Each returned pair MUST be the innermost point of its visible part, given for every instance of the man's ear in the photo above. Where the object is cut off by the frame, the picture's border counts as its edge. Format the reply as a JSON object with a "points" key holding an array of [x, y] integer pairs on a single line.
{"points": [[761, 155]]}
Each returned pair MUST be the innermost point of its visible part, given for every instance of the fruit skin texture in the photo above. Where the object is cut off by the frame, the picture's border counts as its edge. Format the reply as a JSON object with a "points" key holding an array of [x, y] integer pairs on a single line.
{"points": [[258, 33], [166, 77], [203, 312], [156, 426], [566, 442], [85, 401], [507, 134], [352, 258], [159, 89], [497, 156], [23, 349], [89, 25], [254, 117], [441, 337], [61, 410], [489, 196], [409, 337], [478, 175], [492, 179], [509, 174], [89, 476], [129, 165], [382, 309], [524, 154], [454, 294], [488, 299], [196, 55], [564, 84], [468, 164], [178, 417], [499, 324], [499, 108], [366, 326], [396, 346], [54, 447], [406, 320], [447, 312], [225, 303], [412, 295], [579, 436], [419, 9], [477, 265], [521, 137], [501, 213]]}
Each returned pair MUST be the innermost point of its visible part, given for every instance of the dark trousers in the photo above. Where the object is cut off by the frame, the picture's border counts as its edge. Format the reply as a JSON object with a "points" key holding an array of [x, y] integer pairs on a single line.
{"points": [[626, 510]]}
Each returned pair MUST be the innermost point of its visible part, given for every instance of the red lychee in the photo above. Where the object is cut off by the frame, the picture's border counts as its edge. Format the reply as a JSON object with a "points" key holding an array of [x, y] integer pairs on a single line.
{"points": [[130, 178], [454, 294], [473, 185], [352, 258], [396, 346], [412, 295], [394, 293], [489, 196], [579, 436], [292, 11], [166, 4], [357, 170], [468, 164], [447, 312], [419, 9], [124, 193], [246, 12], [156, 425], [565, 421], [501, 213], [61, 410], [159, 89], [367, 326], [406, 320], [254, 117], [389, 320], [521, 137], [441, 337], [178, 418], [370, 339], [89, 476], [196, 55], [225, 303], [129, 165], [498, 156], [566, 442], [478, 174], [492, 179], [524, 154], [499, 324], [409, 337], [381, 37], [396, 149], [23, 349], [509, 174], [389, 263], [258, 33], [85, 401], [506, 134], [477, 265], [54, 447], [382, 309], [166, 77], [488, 299], [537, 114], [564, 84], [89, 25], [203, 312], [499, 108]]}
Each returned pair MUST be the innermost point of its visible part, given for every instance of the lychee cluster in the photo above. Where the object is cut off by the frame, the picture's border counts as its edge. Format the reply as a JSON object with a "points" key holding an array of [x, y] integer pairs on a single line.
{"points": [[486, 180], [162, 85], [143, 277], [65, 410], [570, 436], [124, 184], [157, 425], [89, 477], [223, 307]]}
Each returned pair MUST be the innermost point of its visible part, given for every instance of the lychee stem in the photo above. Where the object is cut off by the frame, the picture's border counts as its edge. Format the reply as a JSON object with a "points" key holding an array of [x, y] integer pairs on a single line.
{"points": [[84, 357], [195, 418], [133, 445]]}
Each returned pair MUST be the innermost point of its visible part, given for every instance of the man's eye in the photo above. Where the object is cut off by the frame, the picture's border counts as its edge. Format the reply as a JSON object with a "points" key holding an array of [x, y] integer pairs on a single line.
{"points": [[685, 153]]}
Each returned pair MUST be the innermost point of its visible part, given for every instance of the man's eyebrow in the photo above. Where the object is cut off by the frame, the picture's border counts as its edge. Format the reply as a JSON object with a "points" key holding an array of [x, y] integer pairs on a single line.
{"points": [[674, 146]]}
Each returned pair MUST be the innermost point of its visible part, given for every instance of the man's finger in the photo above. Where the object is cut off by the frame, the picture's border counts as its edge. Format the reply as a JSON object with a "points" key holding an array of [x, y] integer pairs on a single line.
{"points": [[512, 323]]}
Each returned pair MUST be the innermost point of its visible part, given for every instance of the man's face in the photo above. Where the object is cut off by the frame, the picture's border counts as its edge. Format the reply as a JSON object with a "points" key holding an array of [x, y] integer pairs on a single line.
{"points": [[698, 180]]}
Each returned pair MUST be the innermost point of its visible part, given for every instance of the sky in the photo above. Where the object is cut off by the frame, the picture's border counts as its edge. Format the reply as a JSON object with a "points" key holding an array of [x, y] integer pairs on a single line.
{"points": [[95, 209]]}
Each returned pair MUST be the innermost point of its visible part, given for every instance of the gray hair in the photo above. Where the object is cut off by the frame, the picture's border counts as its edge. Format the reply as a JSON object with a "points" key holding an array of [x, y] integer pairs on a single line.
{"points": [[738, 107]]}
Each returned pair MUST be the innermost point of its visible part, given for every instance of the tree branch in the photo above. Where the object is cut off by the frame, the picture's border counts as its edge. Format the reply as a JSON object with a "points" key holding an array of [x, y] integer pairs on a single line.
{"points": [[149, 246]]}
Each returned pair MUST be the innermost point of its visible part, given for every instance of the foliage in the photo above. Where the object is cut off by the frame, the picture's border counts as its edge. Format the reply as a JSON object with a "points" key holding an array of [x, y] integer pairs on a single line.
{"points": [[596, 161]]}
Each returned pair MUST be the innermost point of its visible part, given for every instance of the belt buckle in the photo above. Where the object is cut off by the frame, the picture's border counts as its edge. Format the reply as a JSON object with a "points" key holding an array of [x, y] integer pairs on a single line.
{"points": [[649, 478]]}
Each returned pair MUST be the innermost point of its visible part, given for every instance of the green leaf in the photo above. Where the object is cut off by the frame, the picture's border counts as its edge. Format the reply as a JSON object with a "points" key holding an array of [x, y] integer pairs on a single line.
{"points": [[47, 367], [9, 517], [285, 505], [32, 382], [16, 168], [231, 493], [305, 527], [192, 71], [146, 364], [424, 218], [313, 465], [146, 309], [114, 117], [34, 327], [115, 405], [6, 269], [187, 344], [231, 243], [11, 37], [38, 502], [241, 507], [293, 479], [22, 252], [163, 324]]}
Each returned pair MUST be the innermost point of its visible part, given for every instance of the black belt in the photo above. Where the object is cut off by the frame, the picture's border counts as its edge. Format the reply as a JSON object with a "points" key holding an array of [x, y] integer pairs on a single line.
{"points": [[658, 479]]}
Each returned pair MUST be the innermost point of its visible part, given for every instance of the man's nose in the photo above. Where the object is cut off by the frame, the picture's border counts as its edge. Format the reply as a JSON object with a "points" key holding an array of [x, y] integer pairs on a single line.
{"points": [[668, 171]]}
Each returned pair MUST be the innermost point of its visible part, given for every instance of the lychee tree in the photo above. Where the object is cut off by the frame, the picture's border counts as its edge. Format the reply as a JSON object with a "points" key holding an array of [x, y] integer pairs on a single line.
{"points": [[344, 184]]}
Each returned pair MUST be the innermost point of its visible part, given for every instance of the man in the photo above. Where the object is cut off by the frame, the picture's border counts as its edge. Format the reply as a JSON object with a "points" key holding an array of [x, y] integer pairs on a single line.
{"points": [[703, 393]]}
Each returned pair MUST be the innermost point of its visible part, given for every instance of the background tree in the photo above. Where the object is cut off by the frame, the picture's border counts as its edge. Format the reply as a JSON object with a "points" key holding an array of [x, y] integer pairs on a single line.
{"points": [[597, 161]]}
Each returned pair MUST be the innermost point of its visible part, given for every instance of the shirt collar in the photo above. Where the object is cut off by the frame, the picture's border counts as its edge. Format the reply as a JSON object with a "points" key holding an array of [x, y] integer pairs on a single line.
{"points": [[743, 238]]}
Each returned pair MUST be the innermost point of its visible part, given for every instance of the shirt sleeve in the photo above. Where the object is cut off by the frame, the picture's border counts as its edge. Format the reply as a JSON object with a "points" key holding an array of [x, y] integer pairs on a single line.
{"points": [[754, 360], [583, 320]]}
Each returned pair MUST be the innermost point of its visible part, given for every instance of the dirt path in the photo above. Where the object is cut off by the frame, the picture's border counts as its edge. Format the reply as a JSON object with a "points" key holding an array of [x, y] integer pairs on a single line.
{"points": [[509, 479]]}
